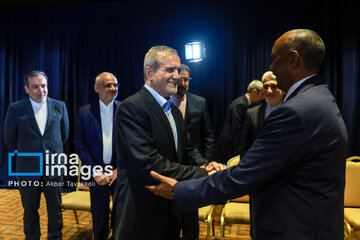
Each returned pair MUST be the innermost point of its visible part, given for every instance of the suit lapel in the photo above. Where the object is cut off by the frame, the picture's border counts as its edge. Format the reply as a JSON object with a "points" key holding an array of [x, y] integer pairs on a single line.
{"points": [[188, 109], [50, 112], [261, 115], [311, 82], [95, 110], [31, 115], [159, 113], [116, 104]]}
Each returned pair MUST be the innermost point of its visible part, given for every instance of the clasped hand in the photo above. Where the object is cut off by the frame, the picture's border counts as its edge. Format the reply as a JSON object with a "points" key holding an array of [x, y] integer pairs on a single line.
{"points": [[166, 186]]}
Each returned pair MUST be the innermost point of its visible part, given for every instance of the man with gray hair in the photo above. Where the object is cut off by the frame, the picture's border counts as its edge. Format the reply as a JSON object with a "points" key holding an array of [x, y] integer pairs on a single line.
{"points": [[151, 136], [94, 142], [230, 137], [256, 115]]}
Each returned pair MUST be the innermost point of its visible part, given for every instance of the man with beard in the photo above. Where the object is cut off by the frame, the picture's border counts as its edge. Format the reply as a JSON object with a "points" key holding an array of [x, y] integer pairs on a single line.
{"points": [[195, 114], [197, 122], [94, 142]]}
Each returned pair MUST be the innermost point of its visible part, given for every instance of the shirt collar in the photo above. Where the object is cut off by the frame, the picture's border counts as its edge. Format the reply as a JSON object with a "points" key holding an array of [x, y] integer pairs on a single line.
{"points": [[295, 86], [38, 104], [110, 105], [160, 99]]}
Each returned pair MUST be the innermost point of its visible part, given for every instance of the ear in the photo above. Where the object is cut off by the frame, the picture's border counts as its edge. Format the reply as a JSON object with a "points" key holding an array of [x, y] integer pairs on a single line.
{"points": [[149, 72], [96, 88], [294, 59], [26, 89]]}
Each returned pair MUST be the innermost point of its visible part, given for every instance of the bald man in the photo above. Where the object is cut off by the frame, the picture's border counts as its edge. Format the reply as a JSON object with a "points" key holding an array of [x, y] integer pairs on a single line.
{"points": [[95, 144]]}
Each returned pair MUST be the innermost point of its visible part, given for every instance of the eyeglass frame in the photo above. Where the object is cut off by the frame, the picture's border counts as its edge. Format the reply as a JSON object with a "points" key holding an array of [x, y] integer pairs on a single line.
{"points": [[272, 86]]}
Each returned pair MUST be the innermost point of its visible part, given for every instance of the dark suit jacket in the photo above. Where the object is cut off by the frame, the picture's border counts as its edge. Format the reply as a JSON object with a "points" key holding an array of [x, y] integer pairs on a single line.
{"points": [[145, 142], [229, 140], [295, 171], [22, 133], [198, 124], [254, 121], [88, 135]]}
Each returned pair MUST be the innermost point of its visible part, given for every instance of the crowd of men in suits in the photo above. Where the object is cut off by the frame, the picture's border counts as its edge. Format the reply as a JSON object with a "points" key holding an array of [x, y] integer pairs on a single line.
{"points": [[163, 134]]}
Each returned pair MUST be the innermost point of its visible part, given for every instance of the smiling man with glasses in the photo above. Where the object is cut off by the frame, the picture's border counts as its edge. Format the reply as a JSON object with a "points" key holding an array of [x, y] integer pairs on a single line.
{"points": [[256, 116]]}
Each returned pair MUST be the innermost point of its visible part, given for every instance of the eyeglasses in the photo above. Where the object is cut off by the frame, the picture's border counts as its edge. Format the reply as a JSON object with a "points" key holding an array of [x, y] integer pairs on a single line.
{"points": [[272, 86], [185, 79], [109, 85]]}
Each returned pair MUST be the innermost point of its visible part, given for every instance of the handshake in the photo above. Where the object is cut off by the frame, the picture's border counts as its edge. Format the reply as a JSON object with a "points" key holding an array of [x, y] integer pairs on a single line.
{"points": [[166, 186]]}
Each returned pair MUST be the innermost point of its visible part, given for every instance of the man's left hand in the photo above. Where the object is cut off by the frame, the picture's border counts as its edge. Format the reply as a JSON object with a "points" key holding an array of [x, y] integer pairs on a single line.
{"points": [[165, 188]]}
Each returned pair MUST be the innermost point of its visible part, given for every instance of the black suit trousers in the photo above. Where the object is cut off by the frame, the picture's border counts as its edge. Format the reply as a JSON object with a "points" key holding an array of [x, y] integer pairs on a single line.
{"points": [[30, 198]]}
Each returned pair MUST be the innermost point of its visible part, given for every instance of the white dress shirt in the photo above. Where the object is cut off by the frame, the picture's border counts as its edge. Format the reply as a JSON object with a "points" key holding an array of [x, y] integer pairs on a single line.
{"points": [[41, 113], [106, 114]]}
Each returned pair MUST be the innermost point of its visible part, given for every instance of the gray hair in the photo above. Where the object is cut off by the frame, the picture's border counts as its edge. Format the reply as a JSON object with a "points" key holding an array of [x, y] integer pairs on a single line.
{"points": [[255, 84], [34, 74], [266, 75], [98, 77], [309, 45], [152, 55]]}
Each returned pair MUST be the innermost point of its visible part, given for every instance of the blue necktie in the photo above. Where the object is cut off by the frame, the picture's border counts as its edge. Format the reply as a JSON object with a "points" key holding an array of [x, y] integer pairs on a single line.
{"points": [[167, 106], [167, 109]]}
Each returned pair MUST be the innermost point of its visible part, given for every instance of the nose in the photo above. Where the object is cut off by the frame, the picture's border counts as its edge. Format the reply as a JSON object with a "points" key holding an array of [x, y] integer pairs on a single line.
{"points": [[176, 76]]}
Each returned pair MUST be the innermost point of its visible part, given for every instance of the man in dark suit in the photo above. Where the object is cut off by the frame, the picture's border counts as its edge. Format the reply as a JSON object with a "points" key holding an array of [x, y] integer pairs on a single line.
{"points": [[94, 142], [197, 122], [195, 114], [295, 170], [151, 135], [256, 115], [227, 145], [38, 124]]}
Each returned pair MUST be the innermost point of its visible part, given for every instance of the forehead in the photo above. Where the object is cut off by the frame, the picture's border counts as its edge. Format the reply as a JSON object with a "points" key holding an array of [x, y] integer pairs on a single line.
{"points": [[37, 80], [268, 82], [166, 59], [184, 73], [107, 78]]}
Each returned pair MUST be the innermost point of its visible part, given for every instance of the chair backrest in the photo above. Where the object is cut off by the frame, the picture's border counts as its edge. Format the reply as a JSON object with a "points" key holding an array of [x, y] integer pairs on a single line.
{"points": [[352, 187], [233, 162], [79, 185]]}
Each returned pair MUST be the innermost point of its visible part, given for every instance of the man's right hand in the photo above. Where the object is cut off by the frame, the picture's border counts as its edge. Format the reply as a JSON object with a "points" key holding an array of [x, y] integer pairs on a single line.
{"points": [[102, 180]]}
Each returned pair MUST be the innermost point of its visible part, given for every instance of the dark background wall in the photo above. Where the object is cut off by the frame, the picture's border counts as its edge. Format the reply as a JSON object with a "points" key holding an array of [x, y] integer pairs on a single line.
{"points": [[73, 41]]}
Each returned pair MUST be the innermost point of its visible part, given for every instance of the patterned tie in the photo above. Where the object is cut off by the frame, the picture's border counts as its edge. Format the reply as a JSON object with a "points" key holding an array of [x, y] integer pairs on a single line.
{"points": [[167, 106]]}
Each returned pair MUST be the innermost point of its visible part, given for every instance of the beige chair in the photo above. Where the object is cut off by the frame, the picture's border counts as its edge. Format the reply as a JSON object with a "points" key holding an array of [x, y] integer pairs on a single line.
{"points": [[235, 211], [78, 200], [352, 198], [206, 214]]}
